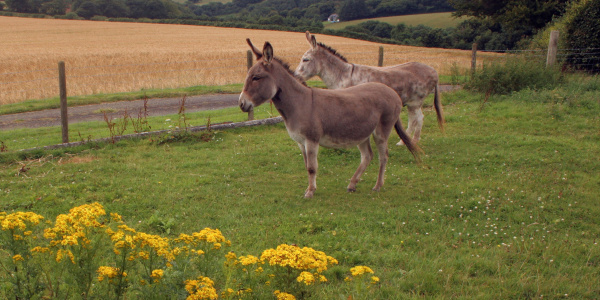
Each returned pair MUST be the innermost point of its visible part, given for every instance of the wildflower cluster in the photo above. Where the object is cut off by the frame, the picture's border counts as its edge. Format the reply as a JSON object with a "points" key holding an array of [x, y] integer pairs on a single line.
{"points": [[363, 279], [361, 272], [201, 288], [283, 296], [18, 228], [18, 220], [304, 259], [110, 273], [206, 235], [88, 253], [73, 230]]}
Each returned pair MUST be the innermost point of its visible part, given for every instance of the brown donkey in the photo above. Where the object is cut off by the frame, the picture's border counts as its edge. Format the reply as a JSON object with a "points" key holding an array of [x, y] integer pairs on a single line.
{"points": [[330, 118], [412, 81]]}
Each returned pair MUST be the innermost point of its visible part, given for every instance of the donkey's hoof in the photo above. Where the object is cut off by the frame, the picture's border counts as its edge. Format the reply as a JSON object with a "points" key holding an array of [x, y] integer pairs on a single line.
{"points": [[309, 194], [376, 189], [351, 190]]}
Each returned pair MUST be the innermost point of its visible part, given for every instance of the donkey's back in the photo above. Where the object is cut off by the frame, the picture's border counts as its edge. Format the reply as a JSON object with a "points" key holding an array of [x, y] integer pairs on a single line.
{"points": [[412, 81]]}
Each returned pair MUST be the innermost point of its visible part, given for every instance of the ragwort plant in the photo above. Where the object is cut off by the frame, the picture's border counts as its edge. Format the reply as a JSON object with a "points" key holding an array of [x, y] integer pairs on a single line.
{"points": [[22, 270], [88, 253]]}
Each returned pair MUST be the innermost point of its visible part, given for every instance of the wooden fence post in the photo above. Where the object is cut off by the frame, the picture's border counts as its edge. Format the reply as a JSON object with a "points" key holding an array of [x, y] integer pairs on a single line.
{"points": [[552, 48], [249, 60], [380, 62], [474, 58], [62, 85], [249, 63]]}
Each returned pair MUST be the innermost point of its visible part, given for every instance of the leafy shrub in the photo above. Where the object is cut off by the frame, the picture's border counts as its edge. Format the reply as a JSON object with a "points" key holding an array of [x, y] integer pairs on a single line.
{"points": [[515, 74], [582, 33]]}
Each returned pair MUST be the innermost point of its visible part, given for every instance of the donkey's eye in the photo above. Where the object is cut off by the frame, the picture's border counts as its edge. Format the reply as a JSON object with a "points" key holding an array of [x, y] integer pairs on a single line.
{"points": [[255, 78], [305, 59]]}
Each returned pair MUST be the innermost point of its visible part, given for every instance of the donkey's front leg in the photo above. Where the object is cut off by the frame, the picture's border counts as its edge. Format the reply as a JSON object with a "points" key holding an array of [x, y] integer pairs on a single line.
{"points": [[312, 165], [366, 154]]}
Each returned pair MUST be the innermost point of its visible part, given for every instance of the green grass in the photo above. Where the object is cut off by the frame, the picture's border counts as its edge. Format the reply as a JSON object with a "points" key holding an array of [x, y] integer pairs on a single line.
{"points": [[434, 20], [504, 204]]}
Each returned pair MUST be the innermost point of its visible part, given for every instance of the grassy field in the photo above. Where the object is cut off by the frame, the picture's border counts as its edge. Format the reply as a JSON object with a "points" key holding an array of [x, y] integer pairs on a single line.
{"points": [[503, 206], [106, 57], [434, 20]]}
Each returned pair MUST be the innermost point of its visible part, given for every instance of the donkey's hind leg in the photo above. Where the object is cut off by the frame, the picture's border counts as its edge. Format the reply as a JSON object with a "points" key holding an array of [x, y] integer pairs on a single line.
{"points": [[366, 155], [415, 123], [381, 142]]}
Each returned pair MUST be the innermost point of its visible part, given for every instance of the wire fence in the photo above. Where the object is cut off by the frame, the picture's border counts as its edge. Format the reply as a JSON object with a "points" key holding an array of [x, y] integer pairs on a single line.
{"points": [[42, 83], [114, 78]]}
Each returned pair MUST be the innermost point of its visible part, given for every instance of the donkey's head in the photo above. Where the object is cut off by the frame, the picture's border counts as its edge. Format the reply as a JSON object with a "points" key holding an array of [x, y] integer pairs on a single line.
{"points": [[310, 63], [260, 84], [318, 59]]}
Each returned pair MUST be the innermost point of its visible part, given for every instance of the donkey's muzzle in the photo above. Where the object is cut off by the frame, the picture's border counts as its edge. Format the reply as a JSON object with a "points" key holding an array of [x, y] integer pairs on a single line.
{"points": [[245, 103]]}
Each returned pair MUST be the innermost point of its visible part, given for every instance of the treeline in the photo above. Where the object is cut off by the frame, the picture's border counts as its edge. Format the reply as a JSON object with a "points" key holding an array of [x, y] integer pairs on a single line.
{"points": [[487, 36], [292, 13], [319, 9], [87, 9], [494, 25]]}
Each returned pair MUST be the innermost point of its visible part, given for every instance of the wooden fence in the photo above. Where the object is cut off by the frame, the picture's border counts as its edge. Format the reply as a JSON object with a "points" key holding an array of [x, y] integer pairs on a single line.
{"points": [[551, 60]]}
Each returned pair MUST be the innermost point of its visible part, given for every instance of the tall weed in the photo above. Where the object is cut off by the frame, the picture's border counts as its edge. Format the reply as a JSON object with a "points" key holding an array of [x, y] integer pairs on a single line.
{"points": [[515, 74]]}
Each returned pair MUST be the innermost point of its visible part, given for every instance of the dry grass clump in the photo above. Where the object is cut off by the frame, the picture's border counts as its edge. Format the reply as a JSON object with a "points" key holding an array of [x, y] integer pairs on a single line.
{"points": [[108, 57]]}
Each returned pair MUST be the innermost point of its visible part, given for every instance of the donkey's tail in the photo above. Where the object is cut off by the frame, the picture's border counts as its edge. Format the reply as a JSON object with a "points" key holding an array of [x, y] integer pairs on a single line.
{"points": [[438, 108], [412, 147]]}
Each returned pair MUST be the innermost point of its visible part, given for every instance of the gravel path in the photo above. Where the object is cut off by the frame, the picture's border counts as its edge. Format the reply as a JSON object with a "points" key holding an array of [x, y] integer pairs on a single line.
{"points": [[95, 112]]}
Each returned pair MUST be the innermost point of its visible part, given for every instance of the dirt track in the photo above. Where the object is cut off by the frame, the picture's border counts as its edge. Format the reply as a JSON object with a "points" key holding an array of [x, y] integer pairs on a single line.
{"points": [[95, 112]]}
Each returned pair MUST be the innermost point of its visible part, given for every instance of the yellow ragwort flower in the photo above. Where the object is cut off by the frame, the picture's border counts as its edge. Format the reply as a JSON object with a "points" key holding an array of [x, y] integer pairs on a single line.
{"points": [[306, 277], [17, 258], [157, 274], [283, 296], [202, 288], [109, 272], [360, 270], [18, 220], [298, 258], [248, 260]]}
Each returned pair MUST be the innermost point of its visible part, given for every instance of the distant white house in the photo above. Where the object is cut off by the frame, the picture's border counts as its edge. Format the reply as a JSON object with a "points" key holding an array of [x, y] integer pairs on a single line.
{"points": [[334, 18]]}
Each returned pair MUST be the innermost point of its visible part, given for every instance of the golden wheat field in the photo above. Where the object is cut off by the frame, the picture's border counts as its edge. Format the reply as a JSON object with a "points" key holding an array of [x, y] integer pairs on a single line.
{"points": [[109, 57]]}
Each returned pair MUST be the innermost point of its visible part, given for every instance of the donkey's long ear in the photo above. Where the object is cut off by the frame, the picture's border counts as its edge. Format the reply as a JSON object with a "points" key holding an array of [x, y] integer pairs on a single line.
{"points": [[268, 52], [312, 40], [257, 52]]}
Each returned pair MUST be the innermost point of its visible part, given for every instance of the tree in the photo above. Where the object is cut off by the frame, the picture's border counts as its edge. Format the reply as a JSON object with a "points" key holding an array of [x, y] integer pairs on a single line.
{"points": [[354, 9], [21, 6], [54, 7], [582, 34], [87, 10], [512, 14]]}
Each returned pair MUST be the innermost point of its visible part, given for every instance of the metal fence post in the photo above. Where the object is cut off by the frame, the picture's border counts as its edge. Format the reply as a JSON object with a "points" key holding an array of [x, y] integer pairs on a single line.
{"points": [[552, 48], [62, 85], [249, 63]]}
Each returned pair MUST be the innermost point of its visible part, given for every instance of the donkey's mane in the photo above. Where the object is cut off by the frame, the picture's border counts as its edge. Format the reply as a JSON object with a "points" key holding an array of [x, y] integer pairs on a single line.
{"points": [[332, 51], [286, 66]]}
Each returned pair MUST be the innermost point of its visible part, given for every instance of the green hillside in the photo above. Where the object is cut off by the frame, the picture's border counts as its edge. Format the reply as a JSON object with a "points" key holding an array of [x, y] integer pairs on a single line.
{"points": [[433, 20]]}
